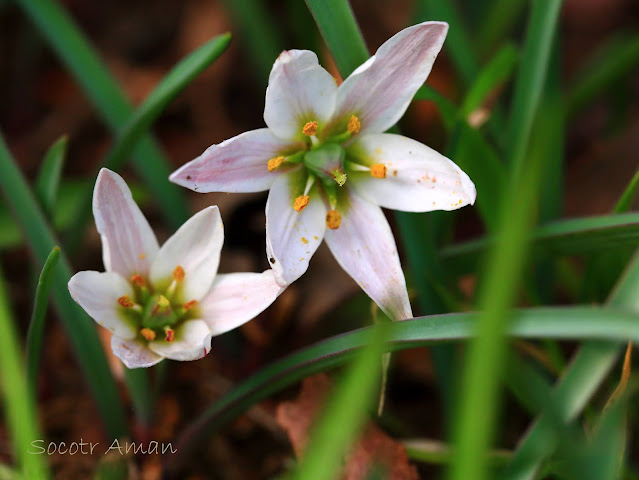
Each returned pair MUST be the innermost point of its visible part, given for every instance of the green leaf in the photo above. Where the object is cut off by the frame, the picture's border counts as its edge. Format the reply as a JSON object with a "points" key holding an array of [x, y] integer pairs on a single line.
{"points": [[624, 203], [139, 123], [80, 329], [80, 58], [36, 326], [567, 323], [48, 181], [576, 236], [19, 411], [447, 109], [615, 59], [345, 413], [439, 453], [501, 17]]}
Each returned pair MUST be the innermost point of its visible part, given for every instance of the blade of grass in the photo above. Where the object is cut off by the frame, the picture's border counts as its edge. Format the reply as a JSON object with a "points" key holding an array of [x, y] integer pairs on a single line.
{"points": [[345, 413], [616, 58], [531, 78], [18, 404], [500, 18], [36, 326], [447, 109], [624, 203], [48, 181], [585, 373], [76, 52], [141, 120], [439, 453], [575, 236], [567, 323], [142, 395], [78, 326]]}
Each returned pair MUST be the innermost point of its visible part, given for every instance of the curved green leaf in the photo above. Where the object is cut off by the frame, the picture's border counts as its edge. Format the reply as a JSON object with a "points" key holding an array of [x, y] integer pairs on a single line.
{"points": [[48, 181], [568, 323]]}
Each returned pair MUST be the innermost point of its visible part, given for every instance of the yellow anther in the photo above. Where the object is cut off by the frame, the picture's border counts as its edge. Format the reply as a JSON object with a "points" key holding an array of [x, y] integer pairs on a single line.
{"points": [[333, 219], [169, 334], [190, 305], [301, 202], [148, 334], [310, 129], [178, 273], [126, 302], [138, 281], [354, 125], [275, 162], [378, 170]]}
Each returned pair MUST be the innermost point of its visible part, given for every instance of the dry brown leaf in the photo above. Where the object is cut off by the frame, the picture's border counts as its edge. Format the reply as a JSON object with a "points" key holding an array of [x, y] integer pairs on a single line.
{"points": [[374, 447]]}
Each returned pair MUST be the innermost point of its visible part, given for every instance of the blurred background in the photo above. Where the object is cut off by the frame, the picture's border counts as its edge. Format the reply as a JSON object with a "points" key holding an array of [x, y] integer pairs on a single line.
{"points": [[140, 41]]}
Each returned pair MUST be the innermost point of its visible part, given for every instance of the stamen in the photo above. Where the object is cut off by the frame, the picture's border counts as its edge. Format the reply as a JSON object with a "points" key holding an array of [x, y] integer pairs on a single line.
{"points": [[148, 334], [378, 170], [190, 305], [275, 162], [333, 219], [138, 281], [178, 273], [310, 129], [354, 125], [169, 334], [301, 202], [126, 302]]}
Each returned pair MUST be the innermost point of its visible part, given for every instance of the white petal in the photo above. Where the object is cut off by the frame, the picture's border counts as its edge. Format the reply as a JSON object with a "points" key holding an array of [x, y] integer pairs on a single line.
{"points": [[299, 91], [236, 298], [133, 354], [238, 164], [128, 243], [418, 178], [364, 246], [381, 89], [192, 341], [196, 248], [292, 237], [97, 293]]}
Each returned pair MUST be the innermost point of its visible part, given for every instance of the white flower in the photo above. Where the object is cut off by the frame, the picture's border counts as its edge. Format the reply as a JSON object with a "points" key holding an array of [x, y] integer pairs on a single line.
{"points": [[328, 164], [169, 301]]}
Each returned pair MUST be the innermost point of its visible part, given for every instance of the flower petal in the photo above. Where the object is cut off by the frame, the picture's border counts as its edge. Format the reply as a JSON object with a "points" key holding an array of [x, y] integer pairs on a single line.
{"points": [[292, 237], [133, 354], [380, 90], [128, 243], [97, 293], [192, 341], [238, 164], [236, 298], [196, 248], [418, 178], [364, 246], [299, 91]]}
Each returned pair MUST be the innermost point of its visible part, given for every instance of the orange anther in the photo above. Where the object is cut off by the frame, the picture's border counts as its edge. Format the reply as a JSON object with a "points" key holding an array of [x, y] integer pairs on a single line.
{"points": [[354, 124], [275, 162], [170, 334], [126, 302], [138, 281], [190, 305], [148, 334], [378, 170], [178, 273], [301, 202], [310, 129], [333, 219]]}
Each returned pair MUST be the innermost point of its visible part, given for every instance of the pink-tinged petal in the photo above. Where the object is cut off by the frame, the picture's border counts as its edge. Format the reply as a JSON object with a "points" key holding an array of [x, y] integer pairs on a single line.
{"points": [[133, 354], [418, 178], [97, 293], [239, 164], [128, 243], [291, 236], [299, 91], [364, 246], [196, 248], [236, 298], [381, 89], [192, 341]]}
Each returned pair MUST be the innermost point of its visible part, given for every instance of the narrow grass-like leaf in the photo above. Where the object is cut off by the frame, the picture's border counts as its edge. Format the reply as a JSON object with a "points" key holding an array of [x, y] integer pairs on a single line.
{"points": [[447, 109], [36, 326], [80, 329], [576, 236], [615, 59], [142, 394], [625, 202], [340, 32], [19, 411], [531, 78], [492, 77], [345, 413], [48, 181], [586, 372], [439, 453], [499, 18], [139, 123], [562, 323], [75, 51]]}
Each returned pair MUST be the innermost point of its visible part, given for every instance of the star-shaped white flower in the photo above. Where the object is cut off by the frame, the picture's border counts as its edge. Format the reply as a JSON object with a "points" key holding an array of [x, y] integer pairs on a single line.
{"points": [[163, 302], [330, 168]]}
